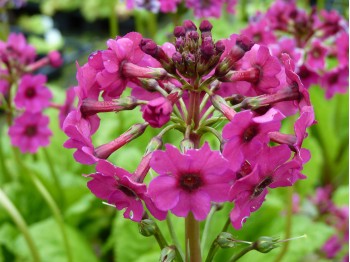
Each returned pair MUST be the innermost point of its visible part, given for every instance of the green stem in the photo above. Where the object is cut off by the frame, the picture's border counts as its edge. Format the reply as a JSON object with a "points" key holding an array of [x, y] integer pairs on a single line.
{"points": [[152, 24], [288, 228], [193, 248], [21, 224], [174, 237], [160, 238], [55, 177], [4, 24], [4, 170], [212, 251], [113, 21], [139, 26], [207, 226], [49, 201], [242, 253]]}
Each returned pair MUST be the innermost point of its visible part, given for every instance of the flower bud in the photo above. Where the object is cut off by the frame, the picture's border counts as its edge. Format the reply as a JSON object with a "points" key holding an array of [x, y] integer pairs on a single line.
{"points": [[155, 143], [220, 104], [179, 31], [55, 59], [265, 244], [157, 112], [186, 144], [168, 254], [189, 26], [147, 227], [225, 240]]}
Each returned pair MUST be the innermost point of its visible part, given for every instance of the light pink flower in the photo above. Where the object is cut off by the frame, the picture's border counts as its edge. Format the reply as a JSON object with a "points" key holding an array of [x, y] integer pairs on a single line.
{"points": [[30, 131]]}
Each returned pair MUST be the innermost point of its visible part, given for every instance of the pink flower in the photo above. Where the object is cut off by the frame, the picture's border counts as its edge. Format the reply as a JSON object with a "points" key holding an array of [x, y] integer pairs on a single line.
{"points": [[316, 56], [32, 94], [157, 112], [332, 246], [79, 131], [17, 49], [307, 76], [342, 45], [168, 6], [248, 134], [116, 186], [189, 182], [259, 57], [209, 8], [121, 52], [260, 33], [335, 81], [288, 46], [30, 131], [68, 105], [55, 58], [270, 170]]}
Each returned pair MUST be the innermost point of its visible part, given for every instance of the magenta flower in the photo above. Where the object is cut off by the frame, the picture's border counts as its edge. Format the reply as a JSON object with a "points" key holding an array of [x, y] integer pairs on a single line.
{"points": [[259, 57], [30, 131], [78, 130], [169, 6], [17, 49], [270, 170], [67, 107], [342, 45], [260, 33], [116, 186], [316, 56], [287, 46], [32, 94], [209, 8], [335, 81], [332, 247], [307, 76], [157, 112], [247, 133], [189, 182]]}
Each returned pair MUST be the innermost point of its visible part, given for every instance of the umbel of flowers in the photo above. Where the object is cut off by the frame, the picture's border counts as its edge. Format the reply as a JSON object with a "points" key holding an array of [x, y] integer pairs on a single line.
{"points": [[311, 39], [23, 95], [191, 85]]}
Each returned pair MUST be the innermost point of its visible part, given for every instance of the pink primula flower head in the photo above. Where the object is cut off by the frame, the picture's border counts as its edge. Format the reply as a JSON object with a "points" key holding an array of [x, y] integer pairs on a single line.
{"points": [[270, 170], [189, 182], [259, 57], [316, 56], [335, 81], [116, 186], [247, 134], [157, 112], [30, 131], [32, 94]]}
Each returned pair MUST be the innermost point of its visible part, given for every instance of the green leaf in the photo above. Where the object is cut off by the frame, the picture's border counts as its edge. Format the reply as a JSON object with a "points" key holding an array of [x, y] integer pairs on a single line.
{"points": [[47, 236]]}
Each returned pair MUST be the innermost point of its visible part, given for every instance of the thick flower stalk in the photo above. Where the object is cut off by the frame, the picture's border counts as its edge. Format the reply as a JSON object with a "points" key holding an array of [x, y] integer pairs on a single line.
{"points": [[311, 39], [190, 85], [23, 95]]}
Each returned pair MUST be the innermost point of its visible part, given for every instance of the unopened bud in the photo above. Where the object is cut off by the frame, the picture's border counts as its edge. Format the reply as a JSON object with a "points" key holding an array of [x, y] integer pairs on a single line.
{"points": [[205, 26], [168, 254], [55, 58], [186, 144], [225, 240], [189, 26], [179, 31], [147, 227], [220, 104], [244, 42], [155, 143], [265, 244]]}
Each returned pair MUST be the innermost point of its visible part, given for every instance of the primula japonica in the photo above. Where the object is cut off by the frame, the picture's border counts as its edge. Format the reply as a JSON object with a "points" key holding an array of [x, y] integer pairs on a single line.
{"points": [[23, 95], [190, 86], [311, 39]]}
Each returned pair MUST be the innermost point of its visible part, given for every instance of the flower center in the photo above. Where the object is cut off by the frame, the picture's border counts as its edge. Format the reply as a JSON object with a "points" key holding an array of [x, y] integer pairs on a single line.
{"points": [[31, 130], [316, 53], [190, 182], [30, 92], [257, 37], [127, 191], [246, 168], [250, 133], [260, 188], [333, 79]]}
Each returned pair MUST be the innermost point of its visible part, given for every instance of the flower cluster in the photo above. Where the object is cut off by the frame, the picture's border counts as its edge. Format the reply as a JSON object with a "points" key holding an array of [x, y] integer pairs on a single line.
{"points": [[190, 86], [23, 95], [209, 8], [311, 39]]}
